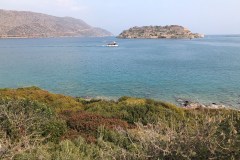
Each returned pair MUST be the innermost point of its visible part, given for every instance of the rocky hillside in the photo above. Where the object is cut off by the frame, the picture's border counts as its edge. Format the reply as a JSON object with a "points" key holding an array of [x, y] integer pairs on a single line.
{"points": [[39, 125], [173, 31], [30, 25]]}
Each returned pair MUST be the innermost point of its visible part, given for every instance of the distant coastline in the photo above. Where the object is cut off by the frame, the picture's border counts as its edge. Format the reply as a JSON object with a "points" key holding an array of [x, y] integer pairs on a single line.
{"points": [[39, 37], [23, 24]]}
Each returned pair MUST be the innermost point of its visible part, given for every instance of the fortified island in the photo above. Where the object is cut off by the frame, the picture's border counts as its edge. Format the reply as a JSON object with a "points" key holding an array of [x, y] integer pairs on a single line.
{"points": [[158, 32]]}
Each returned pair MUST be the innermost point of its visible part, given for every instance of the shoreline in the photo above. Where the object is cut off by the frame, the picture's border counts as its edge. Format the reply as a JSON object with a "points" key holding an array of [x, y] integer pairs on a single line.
{"points": [[186, 103], [179, 102], [194, 105]]}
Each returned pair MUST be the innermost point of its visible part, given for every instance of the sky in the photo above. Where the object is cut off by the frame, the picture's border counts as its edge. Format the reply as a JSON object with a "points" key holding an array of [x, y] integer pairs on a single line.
{"points": [[200, 16]]}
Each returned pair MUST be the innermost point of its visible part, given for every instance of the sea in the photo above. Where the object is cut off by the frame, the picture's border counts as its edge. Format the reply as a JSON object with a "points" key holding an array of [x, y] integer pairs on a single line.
{"points": [[203, 70]]}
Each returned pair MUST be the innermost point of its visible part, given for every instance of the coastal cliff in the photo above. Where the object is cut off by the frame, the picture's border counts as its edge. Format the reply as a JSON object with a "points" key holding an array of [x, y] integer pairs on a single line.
{"points": [[158, 32], [22, 24]]}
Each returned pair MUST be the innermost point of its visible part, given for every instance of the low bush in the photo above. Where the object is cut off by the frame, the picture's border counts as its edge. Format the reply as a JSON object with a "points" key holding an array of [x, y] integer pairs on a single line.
{"points": [[24, 125], [87, 124], [206, 140], [57, 102], [36, 124], [137, 110]]}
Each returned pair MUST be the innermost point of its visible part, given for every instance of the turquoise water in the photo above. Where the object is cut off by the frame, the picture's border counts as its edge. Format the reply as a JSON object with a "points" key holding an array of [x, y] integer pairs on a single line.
{"points": [[205, 70]]}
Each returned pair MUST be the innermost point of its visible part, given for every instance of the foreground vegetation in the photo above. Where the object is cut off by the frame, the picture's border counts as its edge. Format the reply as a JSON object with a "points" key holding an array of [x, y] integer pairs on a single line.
{"points": [[36, 124]]}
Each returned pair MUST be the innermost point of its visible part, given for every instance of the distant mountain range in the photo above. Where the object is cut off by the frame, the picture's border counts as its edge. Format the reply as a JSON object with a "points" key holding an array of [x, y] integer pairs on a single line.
{"points": [[23, 24], [155, 32]]}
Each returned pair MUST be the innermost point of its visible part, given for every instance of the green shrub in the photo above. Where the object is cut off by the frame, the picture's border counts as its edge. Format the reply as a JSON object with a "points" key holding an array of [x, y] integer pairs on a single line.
{"points": [[87, 124], [24, 125], [211, 137], [76, 150], [57, 102], [127, 129], [137, 110]]}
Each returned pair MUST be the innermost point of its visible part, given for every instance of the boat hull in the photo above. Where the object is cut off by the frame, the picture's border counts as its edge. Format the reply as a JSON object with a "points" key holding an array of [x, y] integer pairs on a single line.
{"points": [[109, 45]]}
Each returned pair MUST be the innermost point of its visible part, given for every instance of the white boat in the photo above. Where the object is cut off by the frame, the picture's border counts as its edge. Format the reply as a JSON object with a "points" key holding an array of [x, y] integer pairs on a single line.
{"points": [[113, 44]]}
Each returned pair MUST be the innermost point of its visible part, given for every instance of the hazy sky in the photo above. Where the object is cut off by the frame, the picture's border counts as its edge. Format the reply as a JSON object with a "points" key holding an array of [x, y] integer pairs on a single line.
{"points": [[203, 16]]}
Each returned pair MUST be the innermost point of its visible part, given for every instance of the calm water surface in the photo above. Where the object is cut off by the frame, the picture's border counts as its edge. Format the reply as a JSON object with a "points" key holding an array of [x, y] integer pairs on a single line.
{"points": [[205, 70]]}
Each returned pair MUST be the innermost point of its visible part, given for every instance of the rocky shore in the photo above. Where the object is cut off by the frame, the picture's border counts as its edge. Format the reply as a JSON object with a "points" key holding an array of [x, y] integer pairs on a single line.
{"points": [[194, 105], [159, 32], [183, 103]]}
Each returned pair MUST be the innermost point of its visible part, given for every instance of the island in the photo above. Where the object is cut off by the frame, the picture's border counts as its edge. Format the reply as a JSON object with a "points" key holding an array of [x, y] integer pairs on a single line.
{"points": [[24, 24], [158, 32]]}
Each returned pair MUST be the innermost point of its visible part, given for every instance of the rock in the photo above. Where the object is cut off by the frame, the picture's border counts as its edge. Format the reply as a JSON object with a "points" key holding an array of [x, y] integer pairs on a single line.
{"points": [[193, 105], [2, 150], [160, 32]]}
